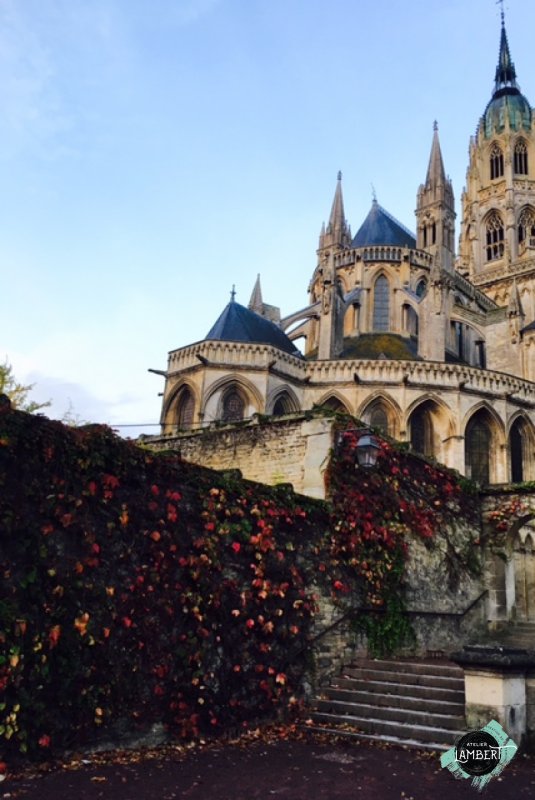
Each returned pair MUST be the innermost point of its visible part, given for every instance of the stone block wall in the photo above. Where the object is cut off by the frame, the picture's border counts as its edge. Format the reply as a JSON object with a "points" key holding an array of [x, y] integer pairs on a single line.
{"points": [[291, 449]]}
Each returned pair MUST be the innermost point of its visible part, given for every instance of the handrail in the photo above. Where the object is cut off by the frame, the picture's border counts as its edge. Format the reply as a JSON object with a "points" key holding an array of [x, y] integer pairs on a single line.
{"points": [[409, 612]]}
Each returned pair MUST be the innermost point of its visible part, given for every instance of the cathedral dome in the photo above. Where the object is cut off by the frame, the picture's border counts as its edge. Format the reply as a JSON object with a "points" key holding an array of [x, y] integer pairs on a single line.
{"points": [[237, 323], [507, 105]]}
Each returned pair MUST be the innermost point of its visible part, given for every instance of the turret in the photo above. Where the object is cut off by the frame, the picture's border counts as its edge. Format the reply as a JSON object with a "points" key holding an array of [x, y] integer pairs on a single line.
{"points": [[435, 211], [337, 233]]}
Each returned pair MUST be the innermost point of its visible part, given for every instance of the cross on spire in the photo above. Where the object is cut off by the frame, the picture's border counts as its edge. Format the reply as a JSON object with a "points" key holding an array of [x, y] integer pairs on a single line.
{"points": [[502, 12], [233, 293]]}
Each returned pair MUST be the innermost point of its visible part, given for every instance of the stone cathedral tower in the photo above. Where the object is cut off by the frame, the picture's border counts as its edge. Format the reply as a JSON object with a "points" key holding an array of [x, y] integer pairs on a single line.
{"points": [[497, 238]]}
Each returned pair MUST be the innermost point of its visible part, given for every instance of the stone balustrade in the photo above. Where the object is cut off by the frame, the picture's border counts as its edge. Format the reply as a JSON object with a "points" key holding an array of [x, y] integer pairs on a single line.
{"points": [[235, 354]]}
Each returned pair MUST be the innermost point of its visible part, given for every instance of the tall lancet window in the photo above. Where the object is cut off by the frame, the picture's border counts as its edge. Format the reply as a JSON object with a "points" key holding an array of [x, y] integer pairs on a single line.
{"points": [[494, 236], [381, 304], [521, 158], [526, 225], [185, 409], [496, 162]]}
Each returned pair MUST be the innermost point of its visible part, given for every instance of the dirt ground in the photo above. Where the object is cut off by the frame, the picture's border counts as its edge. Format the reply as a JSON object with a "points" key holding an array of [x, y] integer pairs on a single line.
{"points": [[304, 768]]}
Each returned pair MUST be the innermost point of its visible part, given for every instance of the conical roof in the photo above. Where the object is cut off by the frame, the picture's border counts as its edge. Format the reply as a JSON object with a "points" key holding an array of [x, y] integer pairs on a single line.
{"points": [[256, 302], [381, 228], [239, 324], [436, 174]]}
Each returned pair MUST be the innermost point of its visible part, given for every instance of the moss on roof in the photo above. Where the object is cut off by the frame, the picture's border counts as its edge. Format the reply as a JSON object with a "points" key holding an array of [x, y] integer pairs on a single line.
{"points": [[377, 345]]}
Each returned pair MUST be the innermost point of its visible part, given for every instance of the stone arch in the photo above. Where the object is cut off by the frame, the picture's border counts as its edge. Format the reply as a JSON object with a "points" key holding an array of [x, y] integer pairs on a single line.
{"points": [[484, 442], [381, 302], [520, 575], [381, 402], [420, 289], [429, 422], [335, 401], [520, 157], [213, 402], [282, 400], [525, 226], [493, 235], [510, 596], [496, 160], [179, 409], [521, 447]]}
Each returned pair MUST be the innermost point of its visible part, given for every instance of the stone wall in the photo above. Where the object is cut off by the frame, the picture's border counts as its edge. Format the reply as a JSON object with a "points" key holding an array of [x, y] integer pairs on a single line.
{"points": [[291, 449], [447, 607]]}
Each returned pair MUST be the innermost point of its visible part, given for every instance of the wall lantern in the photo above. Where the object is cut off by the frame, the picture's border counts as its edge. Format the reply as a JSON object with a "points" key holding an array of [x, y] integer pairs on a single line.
{"points": [[366, 449]]}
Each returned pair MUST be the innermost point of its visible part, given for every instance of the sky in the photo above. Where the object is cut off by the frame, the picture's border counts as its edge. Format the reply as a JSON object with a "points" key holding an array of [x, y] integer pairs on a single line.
{"points": [[155, 152]]}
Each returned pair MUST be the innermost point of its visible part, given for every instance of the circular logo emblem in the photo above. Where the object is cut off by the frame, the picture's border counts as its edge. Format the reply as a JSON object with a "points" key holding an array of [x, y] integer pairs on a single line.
{"points": [[478, 753]]}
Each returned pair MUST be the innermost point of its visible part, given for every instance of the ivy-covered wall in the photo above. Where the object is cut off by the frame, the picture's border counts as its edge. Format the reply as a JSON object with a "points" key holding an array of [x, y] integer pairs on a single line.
{"points": [[137, 588]]}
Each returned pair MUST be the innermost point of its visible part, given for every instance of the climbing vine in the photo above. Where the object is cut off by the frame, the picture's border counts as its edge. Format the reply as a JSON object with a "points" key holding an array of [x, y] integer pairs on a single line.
{"points": [[137, 588], [375, 514]]}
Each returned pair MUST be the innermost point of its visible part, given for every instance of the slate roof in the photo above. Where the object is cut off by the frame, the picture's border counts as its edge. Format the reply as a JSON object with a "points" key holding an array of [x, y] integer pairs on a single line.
{"points": [[380, 227], [239, 324]]}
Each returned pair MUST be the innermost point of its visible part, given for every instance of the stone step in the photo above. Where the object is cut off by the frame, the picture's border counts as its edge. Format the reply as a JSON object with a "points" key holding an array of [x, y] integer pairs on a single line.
{"points": [[428, 734], [408, 702], [405, 678], [409, 716], [388, 687], [411, 667]]}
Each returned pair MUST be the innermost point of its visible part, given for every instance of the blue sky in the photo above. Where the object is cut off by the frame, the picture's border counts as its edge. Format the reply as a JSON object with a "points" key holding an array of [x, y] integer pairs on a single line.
{"points": [[155, 152]]}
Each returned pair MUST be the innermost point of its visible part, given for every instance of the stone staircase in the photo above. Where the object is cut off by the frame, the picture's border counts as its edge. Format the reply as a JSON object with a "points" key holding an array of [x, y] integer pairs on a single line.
{"points": [[411, 703], [516, 634]]}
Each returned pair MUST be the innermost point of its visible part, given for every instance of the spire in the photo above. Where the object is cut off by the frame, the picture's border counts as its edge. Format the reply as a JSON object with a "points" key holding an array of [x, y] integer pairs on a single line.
{"points": [[435, 209], [256, 303], [436, 175], [337, 219], [337, 231], [505, 71]]}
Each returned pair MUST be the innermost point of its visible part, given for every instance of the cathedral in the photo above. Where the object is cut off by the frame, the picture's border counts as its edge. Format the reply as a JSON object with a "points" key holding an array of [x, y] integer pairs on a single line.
{"points": [[432, 346]]}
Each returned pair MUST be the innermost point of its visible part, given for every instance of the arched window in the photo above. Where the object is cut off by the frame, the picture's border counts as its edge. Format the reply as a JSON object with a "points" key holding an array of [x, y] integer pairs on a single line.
{"points": [[477, 451], [283, 405], [381, 304], [233, 406], [516, 450], [421, 287], [335, 405], [496, 162], [185, 409], [526, 225], [421, 428], [521, 158], [378, 418], [495, 236]]}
